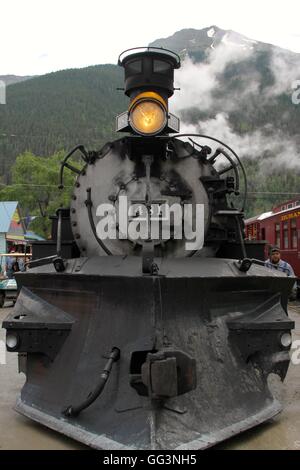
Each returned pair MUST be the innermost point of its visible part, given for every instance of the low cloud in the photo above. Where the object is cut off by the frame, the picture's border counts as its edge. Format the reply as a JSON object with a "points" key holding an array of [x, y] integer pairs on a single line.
{"points": [[278, 149], [198, 81], [286, 70], [201, 90]]}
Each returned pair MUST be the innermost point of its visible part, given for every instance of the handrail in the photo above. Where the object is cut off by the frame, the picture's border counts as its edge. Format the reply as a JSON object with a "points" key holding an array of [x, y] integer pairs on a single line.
{"points": [[142, 49], [203, 136]]}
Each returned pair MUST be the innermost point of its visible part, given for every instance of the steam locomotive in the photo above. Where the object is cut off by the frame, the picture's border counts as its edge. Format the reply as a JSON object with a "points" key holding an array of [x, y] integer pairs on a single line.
{"points": [[152, 324]]}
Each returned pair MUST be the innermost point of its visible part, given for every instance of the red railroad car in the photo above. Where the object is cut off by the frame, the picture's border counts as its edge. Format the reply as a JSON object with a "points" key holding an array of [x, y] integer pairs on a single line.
{"points": [[280, 227]]}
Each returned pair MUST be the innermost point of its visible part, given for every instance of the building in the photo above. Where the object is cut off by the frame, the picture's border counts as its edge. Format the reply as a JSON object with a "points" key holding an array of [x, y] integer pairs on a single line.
{"points": [[13, 234], [12, 229]]}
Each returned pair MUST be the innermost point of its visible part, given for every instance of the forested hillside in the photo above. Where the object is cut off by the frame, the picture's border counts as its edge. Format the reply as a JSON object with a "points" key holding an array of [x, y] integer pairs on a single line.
{"points": [[59, 110], [232, 87]]}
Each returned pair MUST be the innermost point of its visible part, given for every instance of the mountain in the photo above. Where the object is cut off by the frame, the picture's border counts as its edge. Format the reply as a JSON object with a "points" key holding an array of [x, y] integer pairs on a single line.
{"points": [[253, 79], [232, 86], [197, 43], [11, 79], [241, 91]]}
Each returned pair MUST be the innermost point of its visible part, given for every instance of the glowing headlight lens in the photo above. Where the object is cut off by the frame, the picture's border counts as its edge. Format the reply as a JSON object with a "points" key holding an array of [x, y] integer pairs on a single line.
{"points": [[12, 340], [286, 340], [148, 117]]}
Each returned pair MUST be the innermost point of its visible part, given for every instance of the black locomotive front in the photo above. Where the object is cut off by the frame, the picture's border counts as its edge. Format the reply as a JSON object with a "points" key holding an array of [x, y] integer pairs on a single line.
{"points": [[164, 332]]}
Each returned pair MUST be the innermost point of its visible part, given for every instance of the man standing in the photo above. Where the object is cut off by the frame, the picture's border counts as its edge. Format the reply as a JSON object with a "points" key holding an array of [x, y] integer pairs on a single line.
{"points": [[275, 262], [9, 263]]}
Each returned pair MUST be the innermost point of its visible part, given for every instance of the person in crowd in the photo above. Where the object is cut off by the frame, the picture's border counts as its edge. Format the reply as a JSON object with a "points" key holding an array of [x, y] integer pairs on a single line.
{"points": [[275, 262], [21, 261], [9, 264]]}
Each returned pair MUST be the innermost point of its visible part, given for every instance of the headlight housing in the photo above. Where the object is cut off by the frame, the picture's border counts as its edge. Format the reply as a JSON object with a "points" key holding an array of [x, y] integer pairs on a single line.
{"points": [[148, 114], [12, 340], [286, 340]]}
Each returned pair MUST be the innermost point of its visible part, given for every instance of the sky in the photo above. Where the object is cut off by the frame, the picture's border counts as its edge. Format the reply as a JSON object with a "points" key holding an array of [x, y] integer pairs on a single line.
{"points": [[41, 36]]}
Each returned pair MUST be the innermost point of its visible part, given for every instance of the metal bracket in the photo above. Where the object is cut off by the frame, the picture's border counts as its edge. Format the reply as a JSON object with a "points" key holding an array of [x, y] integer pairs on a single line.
{"points": [[168, 373], [148, 264]]}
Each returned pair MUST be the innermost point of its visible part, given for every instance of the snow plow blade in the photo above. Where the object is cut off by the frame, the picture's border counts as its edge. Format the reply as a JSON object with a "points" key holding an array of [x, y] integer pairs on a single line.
{"points": [[177, 360]]}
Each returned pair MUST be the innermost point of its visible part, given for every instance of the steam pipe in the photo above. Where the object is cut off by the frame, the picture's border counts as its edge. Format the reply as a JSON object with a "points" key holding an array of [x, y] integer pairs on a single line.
{"points": [[89, 204]]}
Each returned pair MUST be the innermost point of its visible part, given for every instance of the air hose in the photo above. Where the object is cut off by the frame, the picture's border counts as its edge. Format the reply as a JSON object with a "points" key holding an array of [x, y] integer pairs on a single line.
{"points": [[72, 411]]}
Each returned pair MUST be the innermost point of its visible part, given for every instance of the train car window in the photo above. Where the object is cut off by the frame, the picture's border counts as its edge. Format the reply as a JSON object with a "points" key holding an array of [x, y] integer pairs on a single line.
{"points": [[297, 203], [283, 208], [277, 235], [134, 67], [160, 66], [254, 233], [249, 231], [294, 233], [285, 235], [289, 206]]}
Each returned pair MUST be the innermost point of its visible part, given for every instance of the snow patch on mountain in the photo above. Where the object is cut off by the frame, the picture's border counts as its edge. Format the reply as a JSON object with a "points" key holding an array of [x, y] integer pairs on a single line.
{"points": [[236, 41], [211, 32]]}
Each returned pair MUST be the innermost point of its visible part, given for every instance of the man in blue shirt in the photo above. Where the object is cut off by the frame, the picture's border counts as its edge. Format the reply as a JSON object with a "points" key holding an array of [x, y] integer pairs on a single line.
{"points": [[10, 260], [275, 262]]}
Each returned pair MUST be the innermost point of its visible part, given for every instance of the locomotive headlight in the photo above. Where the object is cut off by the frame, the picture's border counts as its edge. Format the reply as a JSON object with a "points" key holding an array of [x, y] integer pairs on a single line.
{"points": [[148, 114], [12, 341], [286, 340]]}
